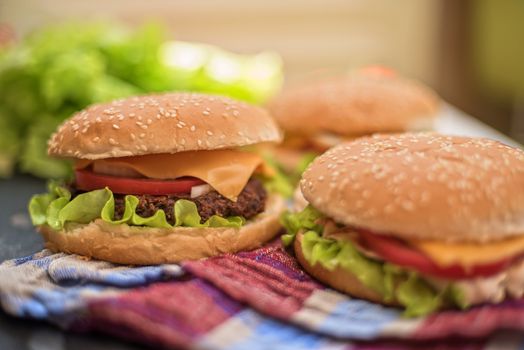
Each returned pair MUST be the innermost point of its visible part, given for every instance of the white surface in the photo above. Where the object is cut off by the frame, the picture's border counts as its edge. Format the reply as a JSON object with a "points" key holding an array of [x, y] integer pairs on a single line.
{"points": [[455, 122]]}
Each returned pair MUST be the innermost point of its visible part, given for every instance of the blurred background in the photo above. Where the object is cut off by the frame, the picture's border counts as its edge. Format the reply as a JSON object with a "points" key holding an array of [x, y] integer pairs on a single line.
{"points": [[470, 52]]}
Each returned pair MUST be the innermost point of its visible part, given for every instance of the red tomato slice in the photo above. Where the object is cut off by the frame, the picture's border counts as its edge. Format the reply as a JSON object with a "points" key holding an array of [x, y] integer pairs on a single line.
{"points": [[399, 253], [87, 180]]}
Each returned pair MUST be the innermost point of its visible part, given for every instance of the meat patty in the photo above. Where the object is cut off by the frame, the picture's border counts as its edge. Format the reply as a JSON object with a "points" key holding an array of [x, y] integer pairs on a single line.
{"points": [[251, 201]]}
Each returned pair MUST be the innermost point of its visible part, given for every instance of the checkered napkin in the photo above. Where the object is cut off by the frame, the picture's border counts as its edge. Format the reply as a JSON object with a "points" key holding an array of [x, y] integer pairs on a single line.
{"points": [[251, 300]]}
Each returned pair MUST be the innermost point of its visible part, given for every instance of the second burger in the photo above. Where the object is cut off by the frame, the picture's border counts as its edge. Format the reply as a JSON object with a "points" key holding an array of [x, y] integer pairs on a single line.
{"points": [[320, 113]]}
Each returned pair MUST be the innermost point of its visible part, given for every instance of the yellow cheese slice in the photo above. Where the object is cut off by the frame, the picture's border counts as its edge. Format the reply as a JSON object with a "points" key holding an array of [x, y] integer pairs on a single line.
{"points": [[227, 171], [470, 254]]}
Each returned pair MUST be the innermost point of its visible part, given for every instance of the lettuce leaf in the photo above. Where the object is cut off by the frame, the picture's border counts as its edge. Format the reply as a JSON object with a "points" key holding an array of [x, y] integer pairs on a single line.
{"points": [[392, 282], [9, 145], [279, 182], [406, 287], [33, 156], [284, 181], [56, 208], [294, 222]]}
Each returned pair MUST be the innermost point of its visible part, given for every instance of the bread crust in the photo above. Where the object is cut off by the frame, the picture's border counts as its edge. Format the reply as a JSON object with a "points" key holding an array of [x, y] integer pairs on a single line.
{"points": [[133, 245], [422, 186], [164, 123], [339, 279], [355, 104]]}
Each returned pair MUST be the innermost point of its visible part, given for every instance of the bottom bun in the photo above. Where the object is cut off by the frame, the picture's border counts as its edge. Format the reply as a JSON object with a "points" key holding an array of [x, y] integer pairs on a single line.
{"points": [[136, 245], [339, 278]]}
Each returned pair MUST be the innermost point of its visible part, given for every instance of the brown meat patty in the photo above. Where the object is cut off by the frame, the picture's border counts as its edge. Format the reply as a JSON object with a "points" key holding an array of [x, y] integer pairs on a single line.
{"points": [[250, 202]]}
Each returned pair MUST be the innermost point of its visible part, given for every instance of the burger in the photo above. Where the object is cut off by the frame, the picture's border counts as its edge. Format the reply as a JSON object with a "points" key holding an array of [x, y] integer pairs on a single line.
{"points": [[421, 221], [160, 179], [319, 113]]}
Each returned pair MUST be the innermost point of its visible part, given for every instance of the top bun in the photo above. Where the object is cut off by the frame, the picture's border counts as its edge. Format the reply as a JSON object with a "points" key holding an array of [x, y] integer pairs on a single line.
{"points": [[355, 104], [166, 123], [422, 186]]}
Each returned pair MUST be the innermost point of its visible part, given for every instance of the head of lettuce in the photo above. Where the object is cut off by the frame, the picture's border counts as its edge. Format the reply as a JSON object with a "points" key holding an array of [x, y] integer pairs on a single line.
{"points": [[160, 179]]}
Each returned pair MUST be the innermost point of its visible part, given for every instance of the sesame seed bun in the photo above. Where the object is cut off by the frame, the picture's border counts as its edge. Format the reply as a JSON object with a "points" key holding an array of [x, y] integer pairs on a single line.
{"points": [[338, 278], [135, 245], [166, 123], [422, 186], [355, 104]]}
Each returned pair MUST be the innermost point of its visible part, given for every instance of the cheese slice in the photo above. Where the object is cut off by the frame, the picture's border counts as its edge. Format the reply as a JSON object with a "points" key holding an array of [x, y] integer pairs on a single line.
{"points": [[470, 254], [227, 171]]}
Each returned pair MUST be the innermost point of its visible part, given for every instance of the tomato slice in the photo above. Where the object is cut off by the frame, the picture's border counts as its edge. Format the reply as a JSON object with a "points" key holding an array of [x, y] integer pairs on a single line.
{"points": [[399, 253], [87, 180]]}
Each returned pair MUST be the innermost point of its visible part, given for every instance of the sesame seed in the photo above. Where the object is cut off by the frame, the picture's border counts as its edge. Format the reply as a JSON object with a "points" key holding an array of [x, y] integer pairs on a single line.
{"points": [[116, 127], [112, 141], [209, 133]]}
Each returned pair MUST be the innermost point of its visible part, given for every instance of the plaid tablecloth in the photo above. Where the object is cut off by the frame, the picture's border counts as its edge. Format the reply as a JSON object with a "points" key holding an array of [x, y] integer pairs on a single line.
{"points": [[251, 300]]}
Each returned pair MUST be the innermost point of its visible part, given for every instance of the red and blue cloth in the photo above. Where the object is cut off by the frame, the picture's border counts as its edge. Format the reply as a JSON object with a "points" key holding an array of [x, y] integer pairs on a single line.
{"points": [[250, 300]]}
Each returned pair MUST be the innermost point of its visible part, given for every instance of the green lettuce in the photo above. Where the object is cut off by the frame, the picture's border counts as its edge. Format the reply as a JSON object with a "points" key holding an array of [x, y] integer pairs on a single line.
{"points": [[303, 220], [284, 180], [56, 208], [392, 282], [279, 182], [33, 156]]}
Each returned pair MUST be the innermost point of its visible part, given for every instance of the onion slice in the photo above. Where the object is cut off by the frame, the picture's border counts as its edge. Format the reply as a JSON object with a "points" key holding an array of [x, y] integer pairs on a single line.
{"points": [[197, 191]]}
